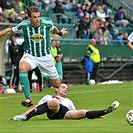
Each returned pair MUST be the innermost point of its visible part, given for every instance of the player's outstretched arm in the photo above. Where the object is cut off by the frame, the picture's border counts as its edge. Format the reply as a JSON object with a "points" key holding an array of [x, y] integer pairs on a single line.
{"points": [[5, 32], [61, 32]]}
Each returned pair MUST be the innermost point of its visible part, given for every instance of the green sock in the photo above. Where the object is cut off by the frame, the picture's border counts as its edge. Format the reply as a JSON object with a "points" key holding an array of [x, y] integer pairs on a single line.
{"points": [[24, 81]]}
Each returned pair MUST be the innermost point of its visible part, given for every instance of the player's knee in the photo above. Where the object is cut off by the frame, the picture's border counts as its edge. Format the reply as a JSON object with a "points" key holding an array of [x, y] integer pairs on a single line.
{"points": [[53, 105], [83, 113], [56, 83], [24, 67]]}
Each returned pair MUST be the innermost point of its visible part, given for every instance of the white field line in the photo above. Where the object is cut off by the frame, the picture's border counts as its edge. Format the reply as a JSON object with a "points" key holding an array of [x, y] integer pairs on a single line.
{"points": [[102, 90], [6, 97], [90, 91]]}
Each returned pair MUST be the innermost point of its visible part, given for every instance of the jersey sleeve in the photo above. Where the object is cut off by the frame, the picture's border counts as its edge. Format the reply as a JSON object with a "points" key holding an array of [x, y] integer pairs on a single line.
{"points": [[130, 38], [44, 99], [71, 105], [48, 21], [52, 25], [17, 29]]}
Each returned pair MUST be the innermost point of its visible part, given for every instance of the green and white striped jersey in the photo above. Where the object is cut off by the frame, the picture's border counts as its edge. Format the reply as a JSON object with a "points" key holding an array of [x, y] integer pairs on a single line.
{"points": [[36, 40]]}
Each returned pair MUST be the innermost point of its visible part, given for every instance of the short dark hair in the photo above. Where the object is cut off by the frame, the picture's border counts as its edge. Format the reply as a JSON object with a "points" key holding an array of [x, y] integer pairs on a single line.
{"points": [[32, 9], [12, 36]]}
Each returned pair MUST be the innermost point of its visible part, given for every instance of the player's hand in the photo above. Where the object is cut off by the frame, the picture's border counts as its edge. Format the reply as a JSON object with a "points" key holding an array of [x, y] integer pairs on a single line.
{"points": [[64, 31]]}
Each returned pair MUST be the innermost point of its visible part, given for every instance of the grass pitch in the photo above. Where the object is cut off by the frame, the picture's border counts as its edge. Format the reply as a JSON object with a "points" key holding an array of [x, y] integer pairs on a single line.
{"points": [[84, 97]]}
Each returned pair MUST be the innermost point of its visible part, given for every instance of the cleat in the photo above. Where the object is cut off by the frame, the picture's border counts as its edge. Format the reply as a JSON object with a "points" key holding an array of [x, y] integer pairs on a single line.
{"points": [[112, 107], [27, 102], [109, 109], [115, 105], [20, 118]]}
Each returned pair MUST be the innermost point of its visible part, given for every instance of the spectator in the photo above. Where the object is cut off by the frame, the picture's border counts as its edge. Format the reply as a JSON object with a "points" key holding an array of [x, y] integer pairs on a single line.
{"points": [[3, 82], [79, 12], [54, 54], [3, 17], [104, 27], [125, 37], [120, 18], [105, 38], [93, 26], [83, 7], [87, 7], [53, 48], [11, 17], [57, 55], [59, 9], [92, 9], [120, 39], [66, 6], [58, 59], [52, 4], [98, 23], [95, 56], [82, 28], [88, 65], [104, 8], [111, 27], [16, 52], [100, 13], [21, 17], [72, 6], [98, 34]]}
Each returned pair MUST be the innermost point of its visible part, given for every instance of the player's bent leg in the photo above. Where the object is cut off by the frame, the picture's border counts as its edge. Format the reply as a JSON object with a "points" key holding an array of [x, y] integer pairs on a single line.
{"points": [[24, 81], [55, 82], [53, 105], [75, 114], [37, 110]]}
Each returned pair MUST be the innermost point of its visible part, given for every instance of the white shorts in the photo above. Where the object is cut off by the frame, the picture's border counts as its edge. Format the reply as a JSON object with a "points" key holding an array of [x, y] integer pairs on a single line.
{"points": [[45, 64]]}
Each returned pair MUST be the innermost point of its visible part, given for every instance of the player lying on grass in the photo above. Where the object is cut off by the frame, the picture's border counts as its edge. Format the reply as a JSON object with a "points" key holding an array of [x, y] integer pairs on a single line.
{"points": [[58, 107]]}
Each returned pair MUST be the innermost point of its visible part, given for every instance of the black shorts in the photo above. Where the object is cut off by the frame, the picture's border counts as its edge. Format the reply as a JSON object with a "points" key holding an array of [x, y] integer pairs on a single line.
{"points": [[59, 115]]}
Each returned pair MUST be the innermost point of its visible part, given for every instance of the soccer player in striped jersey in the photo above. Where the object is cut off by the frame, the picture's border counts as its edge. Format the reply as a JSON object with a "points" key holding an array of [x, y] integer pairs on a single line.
{"points": [[36, 32]]}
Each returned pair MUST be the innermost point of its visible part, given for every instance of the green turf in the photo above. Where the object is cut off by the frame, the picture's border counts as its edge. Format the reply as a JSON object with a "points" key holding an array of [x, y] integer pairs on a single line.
{"points": [[84, 97]]}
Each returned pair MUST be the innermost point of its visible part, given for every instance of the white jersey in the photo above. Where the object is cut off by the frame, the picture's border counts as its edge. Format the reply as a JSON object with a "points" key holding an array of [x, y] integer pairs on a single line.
{"points": [[64, 101], [130, 38]]}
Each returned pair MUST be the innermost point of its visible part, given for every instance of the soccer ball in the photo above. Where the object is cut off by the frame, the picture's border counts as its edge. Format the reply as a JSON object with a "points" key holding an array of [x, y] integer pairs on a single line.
{"points": [[92, 82], [129, 117]]}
